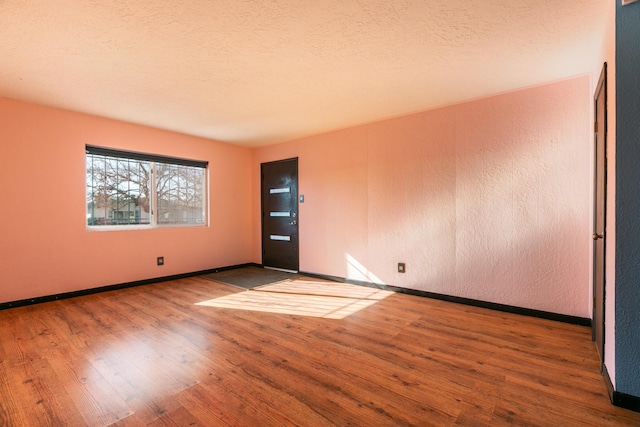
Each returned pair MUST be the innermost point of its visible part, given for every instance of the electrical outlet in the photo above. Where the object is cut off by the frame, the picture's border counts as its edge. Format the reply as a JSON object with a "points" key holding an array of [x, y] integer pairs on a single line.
{"points": [[401, 267], [160, 260]]}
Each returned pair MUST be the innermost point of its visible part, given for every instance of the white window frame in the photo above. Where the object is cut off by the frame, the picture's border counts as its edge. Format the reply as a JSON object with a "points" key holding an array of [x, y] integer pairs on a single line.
{"points": [[154, 213]]}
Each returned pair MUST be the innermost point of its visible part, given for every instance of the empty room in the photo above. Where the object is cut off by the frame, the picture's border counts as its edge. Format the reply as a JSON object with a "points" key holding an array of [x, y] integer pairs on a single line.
{"points": [[371, 213]]}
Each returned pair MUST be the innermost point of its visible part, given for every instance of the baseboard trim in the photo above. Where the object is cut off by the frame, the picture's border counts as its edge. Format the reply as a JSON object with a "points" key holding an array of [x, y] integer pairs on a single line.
{"points": [[607, 382], [619, 399], [342, 280], [575, 320], [79, 293], [467, 301], [626, 401]]}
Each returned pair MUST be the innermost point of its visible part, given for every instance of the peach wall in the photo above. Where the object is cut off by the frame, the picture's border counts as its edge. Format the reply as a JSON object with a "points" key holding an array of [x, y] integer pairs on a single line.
{"points": [[488, 200], [45, 247]]}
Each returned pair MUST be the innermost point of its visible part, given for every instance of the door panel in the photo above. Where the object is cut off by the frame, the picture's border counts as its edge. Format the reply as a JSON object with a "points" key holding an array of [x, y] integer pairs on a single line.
{"points": [[599, 222], [279, 188]]}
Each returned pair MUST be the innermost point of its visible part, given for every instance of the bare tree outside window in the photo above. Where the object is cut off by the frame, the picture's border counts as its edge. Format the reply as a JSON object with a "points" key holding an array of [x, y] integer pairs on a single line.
{"points": [[180, 194], [122, 191]]}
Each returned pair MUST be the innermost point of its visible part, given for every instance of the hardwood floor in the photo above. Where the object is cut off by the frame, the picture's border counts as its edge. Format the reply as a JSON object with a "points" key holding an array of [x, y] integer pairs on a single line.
{"points": [[196, 352]]}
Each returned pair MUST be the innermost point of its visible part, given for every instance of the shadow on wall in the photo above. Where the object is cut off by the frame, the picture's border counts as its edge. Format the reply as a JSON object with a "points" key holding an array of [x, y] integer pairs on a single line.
{"points": [[511, 227], [487, 200]]}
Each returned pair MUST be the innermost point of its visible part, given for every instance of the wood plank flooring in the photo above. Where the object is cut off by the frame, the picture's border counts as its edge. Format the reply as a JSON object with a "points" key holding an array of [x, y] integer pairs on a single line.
{"points": [[195, 352]]}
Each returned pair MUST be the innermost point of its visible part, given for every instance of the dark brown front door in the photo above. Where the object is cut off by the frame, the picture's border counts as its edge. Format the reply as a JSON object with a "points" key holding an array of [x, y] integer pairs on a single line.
{"points": [[600, 203], [280, 214]]}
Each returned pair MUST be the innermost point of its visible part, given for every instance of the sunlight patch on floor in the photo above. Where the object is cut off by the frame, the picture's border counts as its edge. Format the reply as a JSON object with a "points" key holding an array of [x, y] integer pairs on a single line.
{"points": [[303, 297]]}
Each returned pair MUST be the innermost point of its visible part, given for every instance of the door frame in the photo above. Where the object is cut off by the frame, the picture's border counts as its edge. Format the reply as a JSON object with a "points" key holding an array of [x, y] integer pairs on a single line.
{"points": [[296, 216], [600, 129]]}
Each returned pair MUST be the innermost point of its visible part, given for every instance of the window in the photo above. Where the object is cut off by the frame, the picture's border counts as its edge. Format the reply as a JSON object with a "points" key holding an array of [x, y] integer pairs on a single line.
{"points": [[128, 189]]}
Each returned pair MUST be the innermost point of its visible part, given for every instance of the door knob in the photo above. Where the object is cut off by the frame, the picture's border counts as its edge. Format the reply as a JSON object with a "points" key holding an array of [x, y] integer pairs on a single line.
{"points": [[597, 236], [293, 222]]}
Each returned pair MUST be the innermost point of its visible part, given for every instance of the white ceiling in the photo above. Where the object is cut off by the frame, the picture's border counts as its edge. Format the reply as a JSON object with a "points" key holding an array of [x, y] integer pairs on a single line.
{"points": [[255, 72]]}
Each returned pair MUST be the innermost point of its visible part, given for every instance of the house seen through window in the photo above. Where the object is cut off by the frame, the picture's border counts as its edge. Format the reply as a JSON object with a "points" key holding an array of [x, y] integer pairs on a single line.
{"points": [[128, 188]]}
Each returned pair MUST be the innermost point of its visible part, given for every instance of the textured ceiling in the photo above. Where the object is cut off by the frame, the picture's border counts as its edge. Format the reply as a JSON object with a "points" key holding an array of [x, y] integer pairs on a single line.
{"points": [[255, 72]]}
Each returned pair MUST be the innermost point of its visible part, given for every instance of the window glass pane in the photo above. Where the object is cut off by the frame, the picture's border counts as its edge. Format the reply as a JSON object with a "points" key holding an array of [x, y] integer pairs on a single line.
{"points": [[121, 189], [280, 214], [118, 191], [279, 237], [279, 190], [180, 194]]}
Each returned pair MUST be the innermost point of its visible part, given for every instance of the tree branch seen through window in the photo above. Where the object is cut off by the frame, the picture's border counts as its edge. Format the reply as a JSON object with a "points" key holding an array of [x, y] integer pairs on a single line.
{"points": [[123, 191]]}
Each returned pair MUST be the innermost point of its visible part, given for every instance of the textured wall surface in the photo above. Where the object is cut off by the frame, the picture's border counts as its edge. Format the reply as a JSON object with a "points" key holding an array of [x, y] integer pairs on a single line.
{"points": [[487, 200], [627, 280], [45, 247]]}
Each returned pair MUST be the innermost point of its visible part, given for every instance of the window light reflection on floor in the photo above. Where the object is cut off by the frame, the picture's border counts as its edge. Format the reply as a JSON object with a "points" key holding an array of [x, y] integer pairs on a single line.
{"points": [[303, 297]]}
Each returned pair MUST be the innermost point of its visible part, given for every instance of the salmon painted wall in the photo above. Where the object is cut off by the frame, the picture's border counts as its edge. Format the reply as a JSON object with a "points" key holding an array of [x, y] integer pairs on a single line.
{"points": [[45, 247], [488, 199]]}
